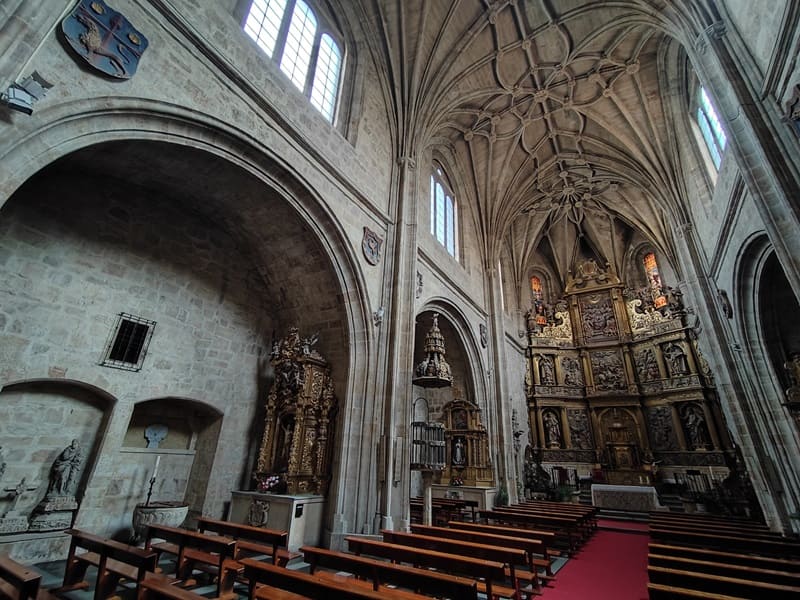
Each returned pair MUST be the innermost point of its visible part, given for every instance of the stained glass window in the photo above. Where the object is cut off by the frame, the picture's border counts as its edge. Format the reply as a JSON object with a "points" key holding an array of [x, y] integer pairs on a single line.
{"points": [[443, 213], [654, 279], [711, 128]]}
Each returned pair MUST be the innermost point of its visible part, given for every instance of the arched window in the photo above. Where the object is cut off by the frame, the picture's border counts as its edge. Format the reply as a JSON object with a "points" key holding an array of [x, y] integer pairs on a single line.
{"points": [[710, 127], [304, 45], [536, 288], [444, 217], [654, 279]]}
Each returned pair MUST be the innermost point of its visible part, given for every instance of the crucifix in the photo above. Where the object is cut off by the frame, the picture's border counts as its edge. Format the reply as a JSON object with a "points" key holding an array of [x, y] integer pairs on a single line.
{"points": [[15, 493]]}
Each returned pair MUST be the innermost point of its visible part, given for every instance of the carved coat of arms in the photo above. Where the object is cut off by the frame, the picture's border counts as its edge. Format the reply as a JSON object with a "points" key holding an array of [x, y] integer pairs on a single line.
{"points": [[104, 38], [371, 246]]}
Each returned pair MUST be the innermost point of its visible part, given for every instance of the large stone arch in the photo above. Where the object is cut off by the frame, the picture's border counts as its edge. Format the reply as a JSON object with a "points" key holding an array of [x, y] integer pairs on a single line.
{"points": [[80, 126], [766, 417]]}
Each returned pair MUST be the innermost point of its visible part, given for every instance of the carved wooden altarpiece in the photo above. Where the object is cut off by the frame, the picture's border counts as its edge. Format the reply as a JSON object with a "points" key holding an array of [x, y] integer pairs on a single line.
{"points": [[467, 444], [301, 407]]}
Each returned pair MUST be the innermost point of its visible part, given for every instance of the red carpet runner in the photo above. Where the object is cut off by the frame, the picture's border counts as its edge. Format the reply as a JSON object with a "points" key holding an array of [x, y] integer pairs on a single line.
{"points": [[611, 566]]}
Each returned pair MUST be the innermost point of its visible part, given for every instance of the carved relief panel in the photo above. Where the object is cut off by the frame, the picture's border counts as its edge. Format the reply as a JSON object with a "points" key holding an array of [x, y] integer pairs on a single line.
{"points": [[608, 371], [579, 431], [662, 432], [647, 365], [598, 321], [572, 371]]}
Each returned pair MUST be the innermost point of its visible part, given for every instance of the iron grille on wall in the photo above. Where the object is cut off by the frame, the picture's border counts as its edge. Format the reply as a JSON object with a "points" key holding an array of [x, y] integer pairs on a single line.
{"points": [[128, 342]]}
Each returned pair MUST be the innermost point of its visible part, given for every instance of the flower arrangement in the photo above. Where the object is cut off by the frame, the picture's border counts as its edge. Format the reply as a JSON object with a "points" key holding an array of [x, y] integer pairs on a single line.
{"points": [[265, 483], [456, 481]]}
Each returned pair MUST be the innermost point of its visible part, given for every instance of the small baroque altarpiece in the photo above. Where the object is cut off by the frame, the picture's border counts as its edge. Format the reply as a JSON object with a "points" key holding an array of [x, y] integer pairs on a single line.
{"points": [[467, 446], [301, 408]]}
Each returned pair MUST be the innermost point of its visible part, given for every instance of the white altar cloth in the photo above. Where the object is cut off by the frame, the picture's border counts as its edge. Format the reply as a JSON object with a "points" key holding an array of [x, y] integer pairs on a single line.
{"points": [[641, 498]]}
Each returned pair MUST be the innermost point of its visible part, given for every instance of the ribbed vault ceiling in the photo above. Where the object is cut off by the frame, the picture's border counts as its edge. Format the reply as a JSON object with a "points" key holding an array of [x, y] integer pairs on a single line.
{"points": [[551, 112]]}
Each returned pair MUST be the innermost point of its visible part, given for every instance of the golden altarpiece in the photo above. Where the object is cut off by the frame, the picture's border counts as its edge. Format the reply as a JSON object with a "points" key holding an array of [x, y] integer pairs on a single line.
{"points": [[299, 419], [615, 380], [467, 446], [294, 458]]}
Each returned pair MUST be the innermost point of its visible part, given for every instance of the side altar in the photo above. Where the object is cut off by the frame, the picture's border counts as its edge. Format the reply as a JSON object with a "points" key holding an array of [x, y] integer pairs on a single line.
{"points": [[294, 458], [300, 515]]}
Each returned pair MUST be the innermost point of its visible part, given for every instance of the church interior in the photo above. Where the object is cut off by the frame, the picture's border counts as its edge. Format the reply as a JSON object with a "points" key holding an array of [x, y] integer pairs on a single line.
{"points": [[402, 263]]}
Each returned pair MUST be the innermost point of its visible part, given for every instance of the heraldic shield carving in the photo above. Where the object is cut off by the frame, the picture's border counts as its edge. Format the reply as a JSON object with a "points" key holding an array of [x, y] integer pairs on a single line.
{"points": [[104, 38], [371, 246]]}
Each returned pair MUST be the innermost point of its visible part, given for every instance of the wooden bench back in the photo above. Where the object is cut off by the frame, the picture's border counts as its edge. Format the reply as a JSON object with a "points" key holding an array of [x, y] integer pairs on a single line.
{"points": [[216, 544], [720, 584], [449, 563], [660, 591], [530, 546], [781, 548], [381, 572], [731, 558], [143, 560], [724, 569], [548, 537], [505, 555], [239, 531], [308, 585], [21, 580]]}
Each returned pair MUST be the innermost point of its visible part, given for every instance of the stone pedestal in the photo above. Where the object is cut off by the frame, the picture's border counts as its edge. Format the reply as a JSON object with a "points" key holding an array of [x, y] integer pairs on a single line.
{"points": [[12, 523], [299, 515], [53, 514]]}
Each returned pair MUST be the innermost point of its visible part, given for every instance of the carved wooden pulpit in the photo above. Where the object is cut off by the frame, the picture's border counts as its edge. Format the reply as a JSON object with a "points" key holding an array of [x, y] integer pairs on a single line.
{"points": [[301, 406]]}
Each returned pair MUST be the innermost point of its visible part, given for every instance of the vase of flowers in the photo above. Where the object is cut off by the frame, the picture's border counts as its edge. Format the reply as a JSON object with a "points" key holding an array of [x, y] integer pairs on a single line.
{"points": [[271, 482]]}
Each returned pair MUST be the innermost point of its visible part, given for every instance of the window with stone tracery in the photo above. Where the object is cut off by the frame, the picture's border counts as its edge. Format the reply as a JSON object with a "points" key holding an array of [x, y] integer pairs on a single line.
{"points": [[536, 289], [444, 216], [710, 127], [305, 46]]}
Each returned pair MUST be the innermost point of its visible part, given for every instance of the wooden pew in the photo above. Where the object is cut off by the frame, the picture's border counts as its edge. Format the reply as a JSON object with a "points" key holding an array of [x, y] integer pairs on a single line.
{"points": [[529, 546], [380, 573], [492, 572], [704, 582], [16, 581], [581, 522], [731, 558], [154, 588], [114, 561], [589, 513], [547, 538], [724, 569], [733, 528], [510, 557], [658, 591], [709, 519], [566, 529], [212, 553], [310, 586], [737, 543], [251, 540]]}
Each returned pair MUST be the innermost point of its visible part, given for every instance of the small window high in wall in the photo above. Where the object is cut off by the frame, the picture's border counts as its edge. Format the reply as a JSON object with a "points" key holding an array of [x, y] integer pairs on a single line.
{"points": [[711, 128], [304, 45], [444, 223]]}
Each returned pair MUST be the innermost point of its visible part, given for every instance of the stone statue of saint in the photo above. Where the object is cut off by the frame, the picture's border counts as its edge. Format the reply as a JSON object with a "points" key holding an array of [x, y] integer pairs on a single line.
{"points": [[552, 429], [677, 360], [546, 374], [65, 472], [695, 426], [459, 457]]}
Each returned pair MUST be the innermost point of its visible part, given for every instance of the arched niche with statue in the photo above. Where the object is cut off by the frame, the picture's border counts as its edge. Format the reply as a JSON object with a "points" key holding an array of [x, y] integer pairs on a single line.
{"points": [[295, 451]]}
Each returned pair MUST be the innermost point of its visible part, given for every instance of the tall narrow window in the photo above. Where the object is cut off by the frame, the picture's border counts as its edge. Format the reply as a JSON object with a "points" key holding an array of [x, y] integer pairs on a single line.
{"points": [[326, 77], [536, 288], [711, 128], [443, 212], [305, 46], [299, 43], [264, 22], [654, 279]]}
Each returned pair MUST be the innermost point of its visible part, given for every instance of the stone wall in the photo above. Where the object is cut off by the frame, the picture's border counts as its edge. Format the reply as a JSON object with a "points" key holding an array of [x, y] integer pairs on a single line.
{"points": [[72, 258]]}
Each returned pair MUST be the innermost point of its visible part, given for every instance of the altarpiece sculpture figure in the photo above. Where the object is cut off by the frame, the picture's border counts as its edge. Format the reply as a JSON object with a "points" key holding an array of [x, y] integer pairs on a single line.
{"points": [[65, 472]]}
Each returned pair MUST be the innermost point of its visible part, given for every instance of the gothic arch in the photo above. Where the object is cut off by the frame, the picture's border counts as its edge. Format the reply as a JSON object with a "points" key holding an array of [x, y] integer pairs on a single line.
{"points": [[74, 126]]}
